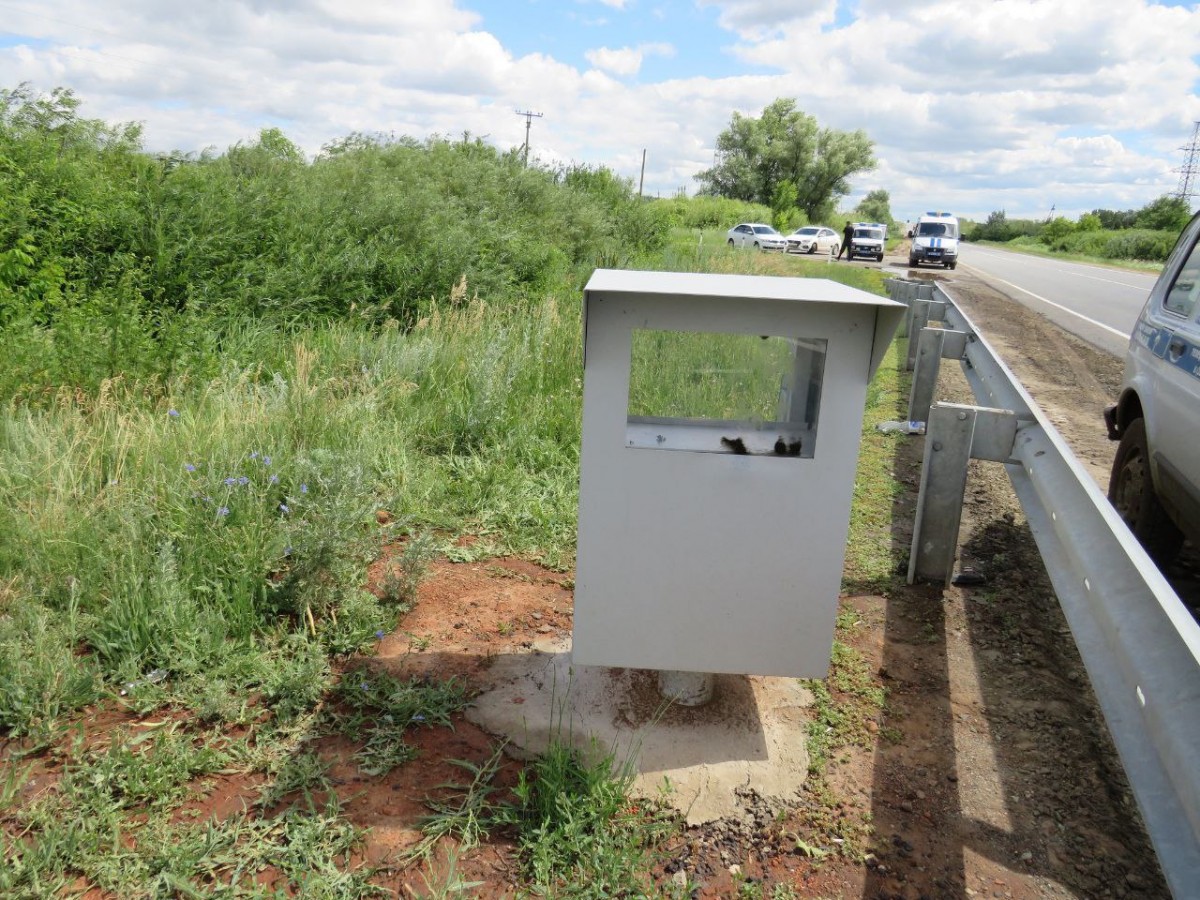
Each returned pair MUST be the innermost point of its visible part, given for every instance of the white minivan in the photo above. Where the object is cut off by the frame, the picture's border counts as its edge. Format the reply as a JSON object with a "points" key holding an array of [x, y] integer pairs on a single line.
{"points": [[1155, 481], [935, 240]]}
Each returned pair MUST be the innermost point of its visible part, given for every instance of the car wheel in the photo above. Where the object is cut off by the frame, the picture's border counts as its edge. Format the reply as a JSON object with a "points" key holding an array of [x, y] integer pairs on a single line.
{"points": [[1131, 492], [731, 242], [879, 258], [912, 263], [953, 265], [812, 249], [757, 246], [836, 249]]}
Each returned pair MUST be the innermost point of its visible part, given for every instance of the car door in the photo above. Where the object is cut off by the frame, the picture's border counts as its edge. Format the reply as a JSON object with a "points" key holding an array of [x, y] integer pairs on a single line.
{"points": [[1174, 426], [743, 234]]}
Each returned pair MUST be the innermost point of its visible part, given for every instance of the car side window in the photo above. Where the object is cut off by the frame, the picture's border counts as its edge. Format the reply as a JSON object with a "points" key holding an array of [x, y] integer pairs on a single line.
{"points": [[1184, 292]]}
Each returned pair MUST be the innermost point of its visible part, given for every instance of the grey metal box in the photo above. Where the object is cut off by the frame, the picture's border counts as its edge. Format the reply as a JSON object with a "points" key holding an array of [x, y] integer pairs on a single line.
{"points": [[712, 529]]}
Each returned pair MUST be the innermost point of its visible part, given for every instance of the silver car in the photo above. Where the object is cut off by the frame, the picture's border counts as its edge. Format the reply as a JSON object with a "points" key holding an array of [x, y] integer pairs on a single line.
{"points": [[756, 235], [1155, 482]]}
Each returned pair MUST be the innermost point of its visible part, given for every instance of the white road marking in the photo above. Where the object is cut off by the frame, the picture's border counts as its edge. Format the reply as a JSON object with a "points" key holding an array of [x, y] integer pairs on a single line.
{"points": [[1060, 266], [1088, 319]]}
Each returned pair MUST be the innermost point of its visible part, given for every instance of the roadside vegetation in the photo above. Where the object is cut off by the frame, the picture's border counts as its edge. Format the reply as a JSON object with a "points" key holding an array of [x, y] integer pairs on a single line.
{"points": [[231, 383], [1143, 235]]}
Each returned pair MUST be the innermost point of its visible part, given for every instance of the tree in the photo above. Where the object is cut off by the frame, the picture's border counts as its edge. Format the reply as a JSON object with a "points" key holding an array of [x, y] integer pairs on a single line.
{"points": [[783, 207], [996, 228], [755, 156], [1167, 213], [1056, 229], [875, 207], [1114, 220]]}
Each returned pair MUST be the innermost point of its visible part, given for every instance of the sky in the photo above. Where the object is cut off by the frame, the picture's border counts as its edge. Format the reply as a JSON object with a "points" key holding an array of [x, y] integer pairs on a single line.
{"points": [[1026, 106]]}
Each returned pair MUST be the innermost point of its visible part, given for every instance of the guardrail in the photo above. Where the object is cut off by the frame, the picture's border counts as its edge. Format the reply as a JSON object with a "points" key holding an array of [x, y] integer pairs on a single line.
{"points": [[1140, 645]]}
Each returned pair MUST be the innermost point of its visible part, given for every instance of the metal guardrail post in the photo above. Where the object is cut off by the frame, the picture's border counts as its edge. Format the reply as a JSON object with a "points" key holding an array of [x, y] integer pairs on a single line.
{"points": [[919, 314], [939, 504], [926, 365], [933, 345], [1139, 643], [905, 291], [954, 435]]}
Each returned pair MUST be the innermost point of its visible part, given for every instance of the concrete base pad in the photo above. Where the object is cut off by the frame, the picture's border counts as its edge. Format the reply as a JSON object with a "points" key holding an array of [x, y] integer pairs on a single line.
{"points": [[751, 735]]}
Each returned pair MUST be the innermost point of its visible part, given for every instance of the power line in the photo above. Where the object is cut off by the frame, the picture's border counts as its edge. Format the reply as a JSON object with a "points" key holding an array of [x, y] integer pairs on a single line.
{"points": [[529, 117]]}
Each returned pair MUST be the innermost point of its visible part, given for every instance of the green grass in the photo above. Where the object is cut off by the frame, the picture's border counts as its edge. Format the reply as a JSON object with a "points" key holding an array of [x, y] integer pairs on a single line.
{"points": [[712, 376], [198, 546], [871, 560], [578, 832]]}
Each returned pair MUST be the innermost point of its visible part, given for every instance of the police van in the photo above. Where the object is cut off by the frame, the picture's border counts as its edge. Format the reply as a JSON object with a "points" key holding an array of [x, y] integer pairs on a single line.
{"points": [[935, 240]]}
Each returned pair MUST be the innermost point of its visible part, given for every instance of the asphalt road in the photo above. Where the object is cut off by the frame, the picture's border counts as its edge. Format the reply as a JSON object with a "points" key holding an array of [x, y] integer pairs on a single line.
{"points": [[1098, 304]]}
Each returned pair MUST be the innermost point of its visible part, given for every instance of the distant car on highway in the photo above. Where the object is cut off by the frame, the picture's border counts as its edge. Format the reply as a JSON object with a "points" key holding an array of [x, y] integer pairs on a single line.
{"points": [[757, 235], [1155, 481], [814, 239]]}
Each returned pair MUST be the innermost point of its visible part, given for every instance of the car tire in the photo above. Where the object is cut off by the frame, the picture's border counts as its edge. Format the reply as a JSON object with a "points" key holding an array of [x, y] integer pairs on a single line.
{"points": [[731, 242], [812, 249], [836, 250], [912, 263], [879, 258], [1131, 492], [953, 265]]}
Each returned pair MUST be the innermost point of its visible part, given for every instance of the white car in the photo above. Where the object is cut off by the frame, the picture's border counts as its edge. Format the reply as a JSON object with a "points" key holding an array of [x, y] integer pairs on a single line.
{"points": [[1155, 482], [757, 235], [814, 239], [868, 240]]}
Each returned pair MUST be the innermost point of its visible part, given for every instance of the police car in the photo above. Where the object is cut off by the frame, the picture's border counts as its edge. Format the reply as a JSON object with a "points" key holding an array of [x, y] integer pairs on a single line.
{"points": [[1155, 481], [867, 240]]}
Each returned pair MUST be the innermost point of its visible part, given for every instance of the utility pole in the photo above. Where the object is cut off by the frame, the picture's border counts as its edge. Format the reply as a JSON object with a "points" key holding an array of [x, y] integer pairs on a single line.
{"points": [[642, 180], [1190, 168], [529, 117]]}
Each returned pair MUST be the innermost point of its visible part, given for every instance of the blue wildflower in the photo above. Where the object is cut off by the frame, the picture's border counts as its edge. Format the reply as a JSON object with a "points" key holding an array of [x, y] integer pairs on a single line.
{"points": [[266, 460], [304, 488], [379, 633], [418, 718], [231, 480], [189, 467], [287, 551], [223, 511], [283, 508], [173, 413], [274, 479], [254, 455], [365, 686], [243, 480]]}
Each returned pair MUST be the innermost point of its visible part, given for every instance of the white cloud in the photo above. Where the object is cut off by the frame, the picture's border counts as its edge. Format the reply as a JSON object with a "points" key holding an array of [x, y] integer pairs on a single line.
{"points": [[756, 20], [973, 105], [626, 60]]}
